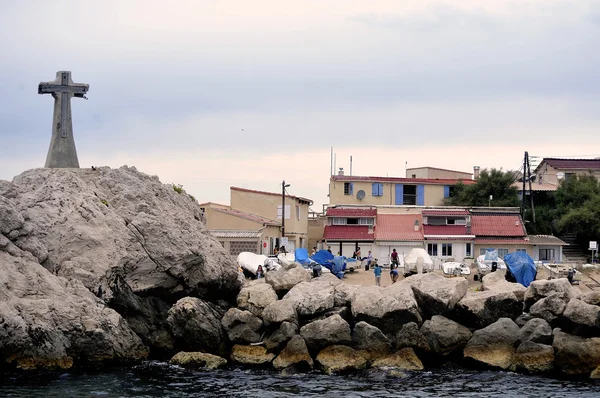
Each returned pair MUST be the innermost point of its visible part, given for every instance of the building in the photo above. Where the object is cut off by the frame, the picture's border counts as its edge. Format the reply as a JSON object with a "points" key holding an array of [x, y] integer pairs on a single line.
{"points": [[551, 171], [378, 191], [434, 172]]}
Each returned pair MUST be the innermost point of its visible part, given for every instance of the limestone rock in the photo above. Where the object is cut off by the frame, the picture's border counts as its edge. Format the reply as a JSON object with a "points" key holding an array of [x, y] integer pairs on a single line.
{"points": [[581, 319], [544, 288], [575, 355], [405, 359], [280, 311], [549, 308], [481, 309], [294, 354], [595, 374], [340, 358], [435, 294], [49, 322], [496, 282], [314, 297], [344, 294], [592, 298], [445, 336], [251, 355], [283, 280], [411, 337], [256, 297], [387, 309], [534, 357], [494, 345], [281, 336], [196, 325], [326, 332], [242, 326], [368, 338], [198, 360], [536, 330]]}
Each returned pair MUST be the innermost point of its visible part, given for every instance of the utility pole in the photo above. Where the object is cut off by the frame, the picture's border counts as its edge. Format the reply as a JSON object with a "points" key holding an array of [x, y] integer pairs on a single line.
{"points": [[523, 191], [530, 191], [283, 187]]}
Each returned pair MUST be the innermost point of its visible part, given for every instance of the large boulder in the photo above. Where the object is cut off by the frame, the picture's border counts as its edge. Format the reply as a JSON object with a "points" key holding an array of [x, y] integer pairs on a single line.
{"points": [[285, 279], [340, 358], [329, 331], [404, 359], [314, 297], [445, 337], [592, 297], [198, 360], [575, 355], [534, 358], [368, 338], [549, 308], [50, 322], [410, 336], [581, 319], [280, 311], [256, 296], [196, 326], [294, 354], [481, 309], [536, 330], [496, 282], [344, 294], [538, 290], [494, 345], [251, 355], [242, 326], [280, 337], [435, 294], [387, 309]]}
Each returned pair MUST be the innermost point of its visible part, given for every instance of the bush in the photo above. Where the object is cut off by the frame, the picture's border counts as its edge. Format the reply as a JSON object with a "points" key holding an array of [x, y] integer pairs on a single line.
{"points": [[178, 188]]}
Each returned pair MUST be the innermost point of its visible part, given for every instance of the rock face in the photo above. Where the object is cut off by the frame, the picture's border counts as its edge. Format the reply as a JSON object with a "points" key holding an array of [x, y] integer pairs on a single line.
{"points": [[251, 355], [242, 326], [444, 336], [49, 322], [411, 337], [280, 311], [484, 308], [196, 325], [544, 288], [435, 294], [405, 359], [581, 319], [281, 336], [256, 296], [327, 332], [294, 354], [195, 360], [340, 358], [314, 297], [537, 331], [550, 307], [496, 282], [283, 280], [534, 358], [387, 309], [575, 355], [368, 338], [494, 345]]}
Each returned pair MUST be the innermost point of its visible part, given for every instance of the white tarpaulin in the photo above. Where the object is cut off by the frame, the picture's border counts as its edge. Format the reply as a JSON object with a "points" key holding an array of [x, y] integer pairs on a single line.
{"points": [[417, 260]]}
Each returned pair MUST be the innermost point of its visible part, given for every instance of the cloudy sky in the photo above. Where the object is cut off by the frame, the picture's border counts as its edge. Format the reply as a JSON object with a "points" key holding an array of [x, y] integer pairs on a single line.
{"points": [[213, 94]]}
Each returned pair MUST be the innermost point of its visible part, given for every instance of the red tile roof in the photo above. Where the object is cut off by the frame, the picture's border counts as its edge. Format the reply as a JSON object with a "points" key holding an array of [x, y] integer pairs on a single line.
{"points": [[500, 241], [398, 227], [445, 230], [584, 164], [270, 193], [449, 212], [347, 232], [341, 212], [247, 216], [497, 225], [432, 181]]}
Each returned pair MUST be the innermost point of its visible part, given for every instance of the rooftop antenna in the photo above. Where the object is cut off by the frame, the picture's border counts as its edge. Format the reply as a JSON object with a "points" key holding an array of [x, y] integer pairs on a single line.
{"points": [[331, 163], [350, 164]]}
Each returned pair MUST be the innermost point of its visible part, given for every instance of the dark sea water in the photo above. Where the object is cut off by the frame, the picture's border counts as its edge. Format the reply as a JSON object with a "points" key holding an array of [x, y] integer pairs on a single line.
{"points": [[158, 379]]}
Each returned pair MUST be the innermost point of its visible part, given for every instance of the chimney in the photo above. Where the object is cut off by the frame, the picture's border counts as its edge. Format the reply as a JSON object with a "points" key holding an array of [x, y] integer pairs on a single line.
{"points": [[416, 227], [475, 172], [341, 172]]}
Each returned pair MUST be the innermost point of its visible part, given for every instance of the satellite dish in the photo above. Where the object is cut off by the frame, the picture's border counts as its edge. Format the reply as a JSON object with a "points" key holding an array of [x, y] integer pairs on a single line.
{"points": [[560, 175], [360, 195]]}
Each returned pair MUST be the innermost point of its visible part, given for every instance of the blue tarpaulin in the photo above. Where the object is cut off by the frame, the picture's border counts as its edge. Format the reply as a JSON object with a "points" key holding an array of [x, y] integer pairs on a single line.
{"points": [[521, 265], [323, 257], [301, 256], [339, 265]]}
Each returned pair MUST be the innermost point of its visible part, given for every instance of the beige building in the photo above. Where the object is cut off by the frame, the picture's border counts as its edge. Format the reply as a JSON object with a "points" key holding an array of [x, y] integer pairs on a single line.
{"points": [[360, 190], [434, 172], [551, 171]]}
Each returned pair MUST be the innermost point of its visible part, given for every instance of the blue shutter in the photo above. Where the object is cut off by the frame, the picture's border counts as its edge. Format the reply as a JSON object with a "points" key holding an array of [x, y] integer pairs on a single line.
{"points": [[420, 195], [399, 194], [351, 188], [380, 189], [374, 189], [446, 191]]}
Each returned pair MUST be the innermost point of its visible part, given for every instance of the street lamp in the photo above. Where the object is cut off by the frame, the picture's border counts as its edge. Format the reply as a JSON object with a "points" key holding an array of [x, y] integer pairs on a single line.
{"points": [[283, 187], [490, 201]]}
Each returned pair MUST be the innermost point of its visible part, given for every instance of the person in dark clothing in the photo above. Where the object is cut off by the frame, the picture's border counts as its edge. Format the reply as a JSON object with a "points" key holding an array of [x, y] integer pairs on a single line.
{"points": [[316, 269], [571, 275], [494, 266]]}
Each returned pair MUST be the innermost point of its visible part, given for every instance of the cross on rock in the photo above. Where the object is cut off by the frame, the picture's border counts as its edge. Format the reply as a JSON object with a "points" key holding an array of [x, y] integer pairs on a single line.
{"points": [[62, 152]]}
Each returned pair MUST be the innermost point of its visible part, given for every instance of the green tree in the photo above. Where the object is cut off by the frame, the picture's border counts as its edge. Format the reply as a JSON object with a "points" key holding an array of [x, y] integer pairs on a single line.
{"points": [[494, 182]]}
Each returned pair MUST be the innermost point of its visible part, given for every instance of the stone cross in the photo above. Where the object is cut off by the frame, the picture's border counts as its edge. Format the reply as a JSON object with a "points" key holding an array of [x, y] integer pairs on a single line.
{"points": [[62, 152]]}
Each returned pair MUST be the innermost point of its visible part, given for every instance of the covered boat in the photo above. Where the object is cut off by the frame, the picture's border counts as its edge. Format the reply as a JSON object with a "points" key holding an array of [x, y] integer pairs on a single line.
{"points": [[521, 267], [488, 262], [417, 261], [452, 268]]}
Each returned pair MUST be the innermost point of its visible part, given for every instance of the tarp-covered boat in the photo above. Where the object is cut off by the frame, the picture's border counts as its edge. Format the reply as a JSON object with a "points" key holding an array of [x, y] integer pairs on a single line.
{"points": [[522, 267], [417, 261]]}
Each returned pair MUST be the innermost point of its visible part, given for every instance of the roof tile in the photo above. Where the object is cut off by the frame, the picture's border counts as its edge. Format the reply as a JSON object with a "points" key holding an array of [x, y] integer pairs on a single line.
{"points": [[398, 227], [247, 216], [347, 232], [342, 212], [573, 163], [497, 225], [445, 230]]}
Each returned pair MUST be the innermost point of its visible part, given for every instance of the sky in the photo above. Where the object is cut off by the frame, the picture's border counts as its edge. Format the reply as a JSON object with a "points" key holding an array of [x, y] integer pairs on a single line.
{"points": [[214, 94]]}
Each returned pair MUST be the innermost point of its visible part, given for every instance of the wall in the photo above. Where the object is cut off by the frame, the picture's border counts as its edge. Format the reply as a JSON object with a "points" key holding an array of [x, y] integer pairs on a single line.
{"points": [[511, 248], [218, 220], [316, 230], [429, 172], [433, 194]]}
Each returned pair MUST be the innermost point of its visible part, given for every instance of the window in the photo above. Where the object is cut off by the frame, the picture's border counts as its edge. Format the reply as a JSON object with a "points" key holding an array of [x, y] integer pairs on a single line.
{"points": [[547, 254], [352, 221], [468, 252], [365, 221], [339, 221], [409, 196], [348, 188], [446, 249], [377, 189], [298, 214], [522, 250], [482, 252], [432, 249], [502, 253]]}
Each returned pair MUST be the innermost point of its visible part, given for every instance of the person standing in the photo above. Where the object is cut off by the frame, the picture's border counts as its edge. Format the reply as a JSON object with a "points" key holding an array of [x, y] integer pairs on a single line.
{"points": [[329, 249], [377, 272], [369, 261], [314, 251], [395, 261]]}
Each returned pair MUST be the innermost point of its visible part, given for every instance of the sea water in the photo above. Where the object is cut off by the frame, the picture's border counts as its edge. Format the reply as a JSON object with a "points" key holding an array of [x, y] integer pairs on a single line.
{"points": [[159, 379]]}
